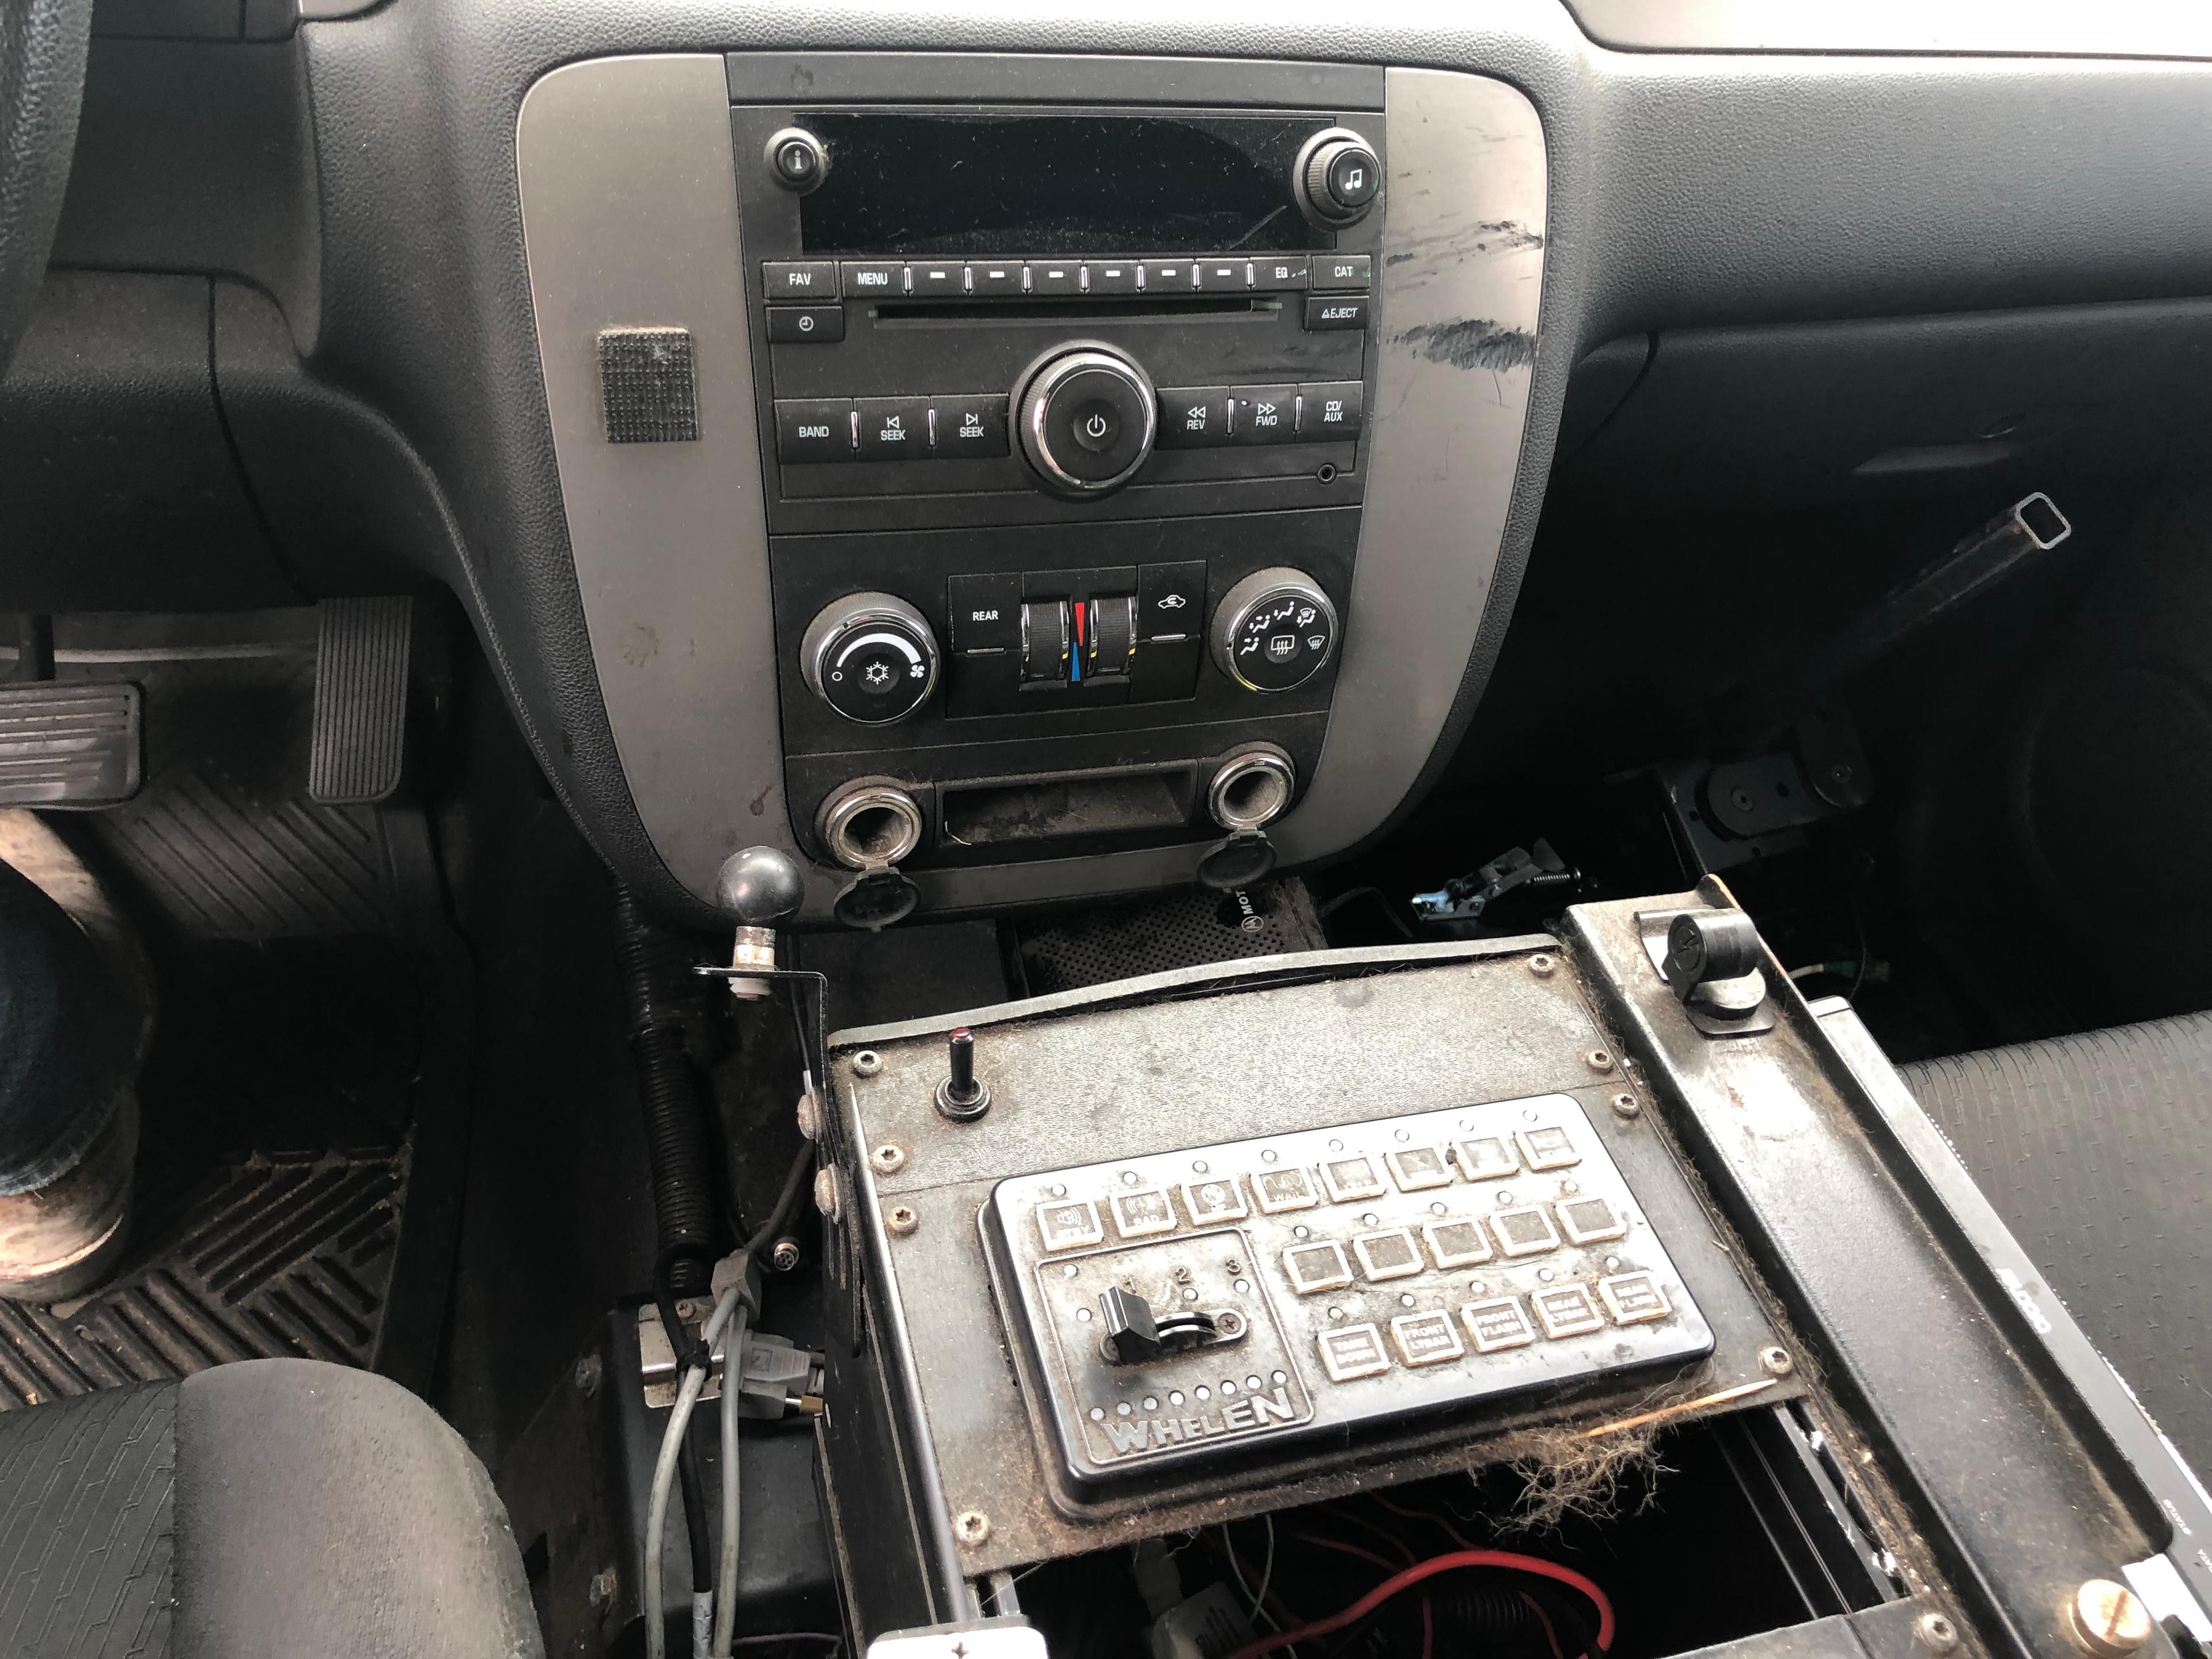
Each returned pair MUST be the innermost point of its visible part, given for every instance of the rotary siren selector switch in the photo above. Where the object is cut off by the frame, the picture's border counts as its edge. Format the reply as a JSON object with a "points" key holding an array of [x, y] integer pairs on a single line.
{"points": [[1088, 416], [871, 657], [1274, 630]]}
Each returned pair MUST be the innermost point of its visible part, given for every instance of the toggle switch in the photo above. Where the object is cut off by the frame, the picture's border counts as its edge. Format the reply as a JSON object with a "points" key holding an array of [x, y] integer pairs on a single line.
{"points": [[1135, 1333]]}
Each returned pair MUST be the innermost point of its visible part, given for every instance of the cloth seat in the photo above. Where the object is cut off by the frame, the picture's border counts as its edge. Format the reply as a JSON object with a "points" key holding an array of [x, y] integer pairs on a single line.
{"points": [[274, 1507], [2097, 1151]]}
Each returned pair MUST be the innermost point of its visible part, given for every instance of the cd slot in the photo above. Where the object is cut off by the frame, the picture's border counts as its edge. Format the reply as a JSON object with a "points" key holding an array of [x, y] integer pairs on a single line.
{"points": [[894, 312]]}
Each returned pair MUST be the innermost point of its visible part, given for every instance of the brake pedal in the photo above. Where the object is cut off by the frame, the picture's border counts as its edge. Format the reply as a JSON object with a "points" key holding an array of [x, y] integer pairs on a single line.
{"points": [[359, 738], [70, 746]]}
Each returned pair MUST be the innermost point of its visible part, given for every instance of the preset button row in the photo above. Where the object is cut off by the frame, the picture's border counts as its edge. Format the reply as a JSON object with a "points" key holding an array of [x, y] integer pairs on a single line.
{"points": [[800, 281]]}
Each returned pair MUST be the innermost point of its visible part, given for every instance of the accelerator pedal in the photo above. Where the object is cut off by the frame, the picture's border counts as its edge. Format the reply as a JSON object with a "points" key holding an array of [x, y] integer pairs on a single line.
{"points": [[360, 730], [70, 746]]}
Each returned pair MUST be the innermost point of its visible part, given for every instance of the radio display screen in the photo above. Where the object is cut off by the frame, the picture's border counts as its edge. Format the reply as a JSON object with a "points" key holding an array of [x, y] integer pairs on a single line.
{"points": [[922, 183]]}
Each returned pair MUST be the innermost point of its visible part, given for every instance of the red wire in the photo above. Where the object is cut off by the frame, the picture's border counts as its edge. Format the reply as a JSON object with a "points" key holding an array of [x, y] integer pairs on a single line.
{"points": [[1450, 1531], [1347, 1549], [1428, 1630], [1429, 1569], [1544, 1619]]}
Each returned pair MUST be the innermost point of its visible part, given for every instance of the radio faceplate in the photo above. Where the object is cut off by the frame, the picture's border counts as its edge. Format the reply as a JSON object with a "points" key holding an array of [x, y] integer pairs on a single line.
{"points": [[1057, 378]]}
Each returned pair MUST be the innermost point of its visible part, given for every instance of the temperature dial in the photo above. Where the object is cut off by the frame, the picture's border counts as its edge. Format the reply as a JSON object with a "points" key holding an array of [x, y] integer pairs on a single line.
{"points": [[871, 657], [1275, 630]]}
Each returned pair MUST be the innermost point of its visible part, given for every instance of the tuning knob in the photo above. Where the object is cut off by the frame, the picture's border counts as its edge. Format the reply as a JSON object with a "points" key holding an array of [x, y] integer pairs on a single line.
{"points": [[1088, 416], [1338, 178], [871, 657], [1274, 630]]}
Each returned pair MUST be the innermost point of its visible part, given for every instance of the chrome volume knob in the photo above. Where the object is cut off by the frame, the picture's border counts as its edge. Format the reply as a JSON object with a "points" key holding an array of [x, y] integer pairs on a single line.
{"points": [[1087, 415]]}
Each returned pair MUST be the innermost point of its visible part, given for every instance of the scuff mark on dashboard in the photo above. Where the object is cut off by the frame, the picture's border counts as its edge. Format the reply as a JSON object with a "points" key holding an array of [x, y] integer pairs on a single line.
{"points": [[1453, 241], [1472, 343], [640, 645]]}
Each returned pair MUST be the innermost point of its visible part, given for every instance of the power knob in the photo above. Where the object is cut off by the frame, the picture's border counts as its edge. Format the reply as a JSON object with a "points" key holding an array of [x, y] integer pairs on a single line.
{"points": [[1088, 416], [871, 657], [1337, 178], [1274, 630]]}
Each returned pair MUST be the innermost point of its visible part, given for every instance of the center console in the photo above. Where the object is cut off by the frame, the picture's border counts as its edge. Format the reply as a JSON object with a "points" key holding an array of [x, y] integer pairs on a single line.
{"points": [[1031, 476], [1260, 1241]]}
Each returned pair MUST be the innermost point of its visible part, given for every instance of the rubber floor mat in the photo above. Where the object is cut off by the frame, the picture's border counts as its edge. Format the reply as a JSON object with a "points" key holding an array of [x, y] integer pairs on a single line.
{"points": [[1072, 950], [298, 1161]]}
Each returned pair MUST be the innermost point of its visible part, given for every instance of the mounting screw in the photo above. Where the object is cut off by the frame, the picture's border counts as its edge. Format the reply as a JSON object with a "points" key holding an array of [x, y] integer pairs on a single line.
{"points": [[1599, 1059], [887, 1159], [827, 1198], [602, 1590], [587, 1373], [2108, 1620], [867, 1063], [1626, 1105], [1776, 1361], [1936, 1632], [786, 1254], [1543, 966], [971, 1527], [902, 1219]]}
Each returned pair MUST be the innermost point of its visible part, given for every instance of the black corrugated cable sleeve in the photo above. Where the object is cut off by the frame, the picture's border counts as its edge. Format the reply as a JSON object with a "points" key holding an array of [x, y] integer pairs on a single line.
{"points": [[654, 965]]}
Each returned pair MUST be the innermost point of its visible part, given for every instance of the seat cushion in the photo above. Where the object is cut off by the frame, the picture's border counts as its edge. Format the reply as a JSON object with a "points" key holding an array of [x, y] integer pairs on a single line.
{"points": [[257, 1510], [2097, 1150]]}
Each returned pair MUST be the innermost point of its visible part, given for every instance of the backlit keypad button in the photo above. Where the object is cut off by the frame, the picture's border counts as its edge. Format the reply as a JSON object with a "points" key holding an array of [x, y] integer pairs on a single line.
{"points": [[1486, 1159], [1352, 1352], [1387, 1256], [1586, 1220], [1279, 1190], [1633, 1298], [1220, 1200], [1524, 1233], [1418, 1168], [1566, 1311], [1425, 1339], [1456, 1243], [1065, 1226], [1141, 1214], [1315, 1268], [1547, 1148], [1494, 1325], [1351, 1179]]}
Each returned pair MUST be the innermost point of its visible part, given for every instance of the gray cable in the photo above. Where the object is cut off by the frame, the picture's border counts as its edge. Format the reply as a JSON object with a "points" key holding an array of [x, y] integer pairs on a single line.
{"points": [[725, 1579], [664, 1481]]}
